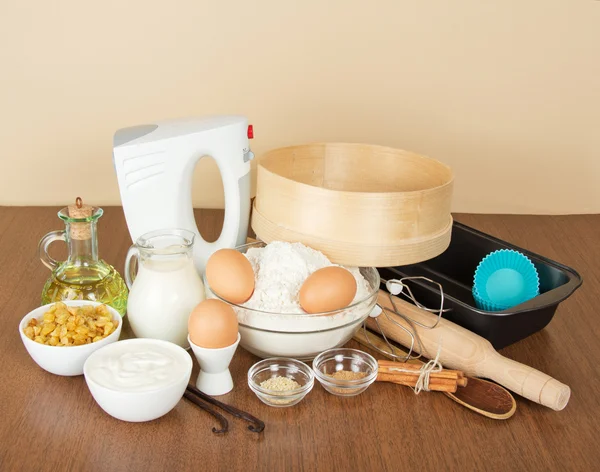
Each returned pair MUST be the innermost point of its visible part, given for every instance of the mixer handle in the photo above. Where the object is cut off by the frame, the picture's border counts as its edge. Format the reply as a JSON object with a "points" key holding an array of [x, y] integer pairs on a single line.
{"points": [[235, 224], [237, 209], [131, 268]]}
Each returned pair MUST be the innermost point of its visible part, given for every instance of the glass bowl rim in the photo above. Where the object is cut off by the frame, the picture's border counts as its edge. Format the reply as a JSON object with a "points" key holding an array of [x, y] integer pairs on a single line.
{"points": [[358, 320], [341, 383], [290, 394]]}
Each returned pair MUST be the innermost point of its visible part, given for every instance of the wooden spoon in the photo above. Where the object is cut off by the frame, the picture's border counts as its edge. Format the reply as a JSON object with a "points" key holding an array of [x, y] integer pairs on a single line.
{"points": [[481, 396]]}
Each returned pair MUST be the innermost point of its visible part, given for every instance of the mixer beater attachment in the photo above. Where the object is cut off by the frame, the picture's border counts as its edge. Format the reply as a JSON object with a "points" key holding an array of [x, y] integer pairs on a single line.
{"points": [[399, 287]]}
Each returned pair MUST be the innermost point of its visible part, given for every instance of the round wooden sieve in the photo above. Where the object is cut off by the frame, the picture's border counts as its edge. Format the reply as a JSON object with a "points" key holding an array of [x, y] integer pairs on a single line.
{"points": [[361, 205]]}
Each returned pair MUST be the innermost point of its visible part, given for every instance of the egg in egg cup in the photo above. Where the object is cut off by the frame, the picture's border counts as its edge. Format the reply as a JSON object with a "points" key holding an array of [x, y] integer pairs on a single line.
{"points": [[213, 336]]}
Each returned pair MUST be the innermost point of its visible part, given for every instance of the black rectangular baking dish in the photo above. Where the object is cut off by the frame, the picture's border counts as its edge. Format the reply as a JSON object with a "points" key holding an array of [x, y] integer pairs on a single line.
{"points": [[454, 270]]}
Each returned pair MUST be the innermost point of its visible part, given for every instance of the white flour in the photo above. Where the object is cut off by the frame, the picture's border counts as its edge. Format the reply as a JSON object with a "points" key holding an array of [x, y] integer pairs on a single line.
{"points": [[281, 268]]}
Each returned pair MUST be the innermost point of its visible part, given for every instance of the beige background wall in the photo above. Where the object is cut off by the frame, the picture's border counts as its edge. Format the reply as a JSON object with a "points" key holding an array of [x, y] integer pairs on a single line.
{"points": [[507, 92]]}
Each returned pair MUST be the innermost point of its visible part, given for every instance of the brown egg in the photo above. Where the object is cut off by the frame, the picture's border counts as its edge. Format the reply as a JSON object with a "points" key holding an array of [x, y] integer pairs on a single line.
{"points": [[229, 274], [213, 324], [327, 289]]}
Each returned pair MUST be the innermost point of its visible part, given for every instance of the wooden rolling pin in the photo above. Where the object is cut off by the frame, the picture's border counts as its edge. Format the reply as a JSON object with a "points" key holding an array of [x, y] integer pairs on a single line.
{"points": [[466, 351]]}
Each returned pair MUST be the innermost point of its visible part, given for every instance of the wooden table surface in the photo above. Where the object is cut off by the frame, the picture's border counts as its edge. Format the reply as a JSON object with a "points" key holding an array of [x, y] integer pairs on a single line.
{"points": [[52, 423]]}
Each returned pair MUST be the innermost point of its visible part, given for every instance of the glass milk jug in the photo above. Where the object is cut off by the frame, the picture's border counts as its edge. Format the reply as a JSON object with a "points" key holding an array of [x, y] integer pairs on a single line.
{"points": [[166, 288]]}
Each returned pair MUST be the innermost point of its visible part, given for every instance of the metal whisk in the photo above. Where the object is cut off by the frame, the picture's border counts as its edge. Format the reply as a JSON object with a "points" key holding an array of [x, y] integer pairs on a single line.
{"points": [[399, 287]]}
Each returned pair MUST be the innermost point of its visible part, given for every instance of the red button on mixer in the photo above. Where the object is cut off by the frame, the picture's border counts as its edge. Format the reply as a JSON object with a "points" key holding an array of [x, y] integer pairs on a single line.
{"points": [[250, 132]]}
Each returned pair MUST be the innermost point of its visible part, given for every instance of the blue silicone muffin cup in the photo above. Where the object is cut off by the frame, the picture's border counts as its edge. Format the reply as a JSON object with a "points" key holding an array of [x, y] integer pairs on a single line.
{"points": [[504, 279], [483, 304]]}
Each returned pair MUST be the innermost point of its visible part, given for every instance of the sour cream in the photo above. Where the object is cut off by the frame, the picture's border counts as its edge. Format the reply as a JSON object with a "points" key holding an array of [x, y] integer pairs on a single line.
{"points": [[138, 365]]}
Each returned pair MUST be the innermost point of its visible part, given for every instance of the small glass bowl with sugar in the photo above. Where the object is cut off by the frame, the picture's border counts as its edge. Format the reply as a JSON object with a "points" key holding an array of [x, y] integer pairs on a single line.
{"points": [[345, 372], [280, 381]]}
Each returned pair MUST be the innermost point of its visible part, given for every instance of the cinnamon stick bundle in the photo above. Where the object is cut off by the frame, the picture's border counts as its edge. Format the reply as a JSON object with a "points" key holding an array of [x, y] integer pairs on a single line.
{"points": [[392, 366], [403, 373]]}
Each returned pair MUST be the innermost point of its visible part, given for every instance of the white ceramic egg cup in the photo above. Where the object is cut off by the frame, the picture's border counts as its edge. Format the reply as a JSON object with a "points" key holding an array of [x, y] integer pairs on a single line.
{"points": [[214, 377]]}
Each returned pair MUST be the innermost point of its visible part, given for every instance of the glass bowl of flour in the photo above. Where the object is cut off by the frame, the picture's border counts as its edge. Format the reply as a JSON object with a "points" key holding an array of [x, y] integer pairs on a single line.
{"points": [[272, 323]]}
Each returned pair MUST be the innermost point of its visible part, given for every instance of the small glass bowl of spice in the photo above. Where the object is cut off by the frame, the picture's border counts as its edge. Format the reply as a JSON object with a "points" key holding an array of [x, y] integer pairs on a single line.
{"points": [[280, 381], [345, 372]]}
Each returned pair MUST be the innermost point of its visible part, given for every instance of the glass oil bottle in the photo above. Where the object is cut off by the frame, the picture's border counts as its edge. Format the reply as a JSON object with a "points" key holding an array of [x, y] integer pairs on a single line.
{"points": [[83, 276]]}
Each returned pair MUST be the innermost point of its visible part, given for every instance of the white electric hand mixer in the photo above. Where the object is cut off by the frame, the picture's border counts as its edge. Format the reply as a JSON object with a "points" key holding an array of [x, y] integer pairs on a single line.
{"points": [[155, 165]]}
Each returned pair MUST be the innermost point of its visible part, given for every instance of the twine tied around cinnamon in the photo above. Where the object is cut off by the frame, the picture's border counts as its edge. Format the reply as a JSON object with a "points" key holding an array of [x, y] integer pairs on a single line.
{"points": [[424, 373]]}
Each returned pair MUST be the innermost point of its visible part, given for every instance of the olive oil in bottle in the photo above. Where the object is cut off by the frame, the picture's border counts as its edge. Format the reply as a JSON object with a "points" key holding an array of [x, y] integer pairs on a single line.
{"points": [[83, 276]]}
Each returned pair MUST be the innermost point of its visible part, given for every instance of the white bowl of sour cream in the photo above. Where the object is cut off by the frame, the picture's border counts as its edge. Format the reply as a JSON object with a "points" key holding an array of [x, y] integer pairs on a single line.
{"points": [[138, 379]]}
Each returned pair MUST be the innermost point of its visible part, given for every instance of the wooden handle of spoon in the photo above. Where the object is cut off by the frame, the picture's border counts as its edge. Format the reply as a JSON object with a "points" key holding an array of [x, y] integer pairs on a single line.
{"points": [[466, 351]]}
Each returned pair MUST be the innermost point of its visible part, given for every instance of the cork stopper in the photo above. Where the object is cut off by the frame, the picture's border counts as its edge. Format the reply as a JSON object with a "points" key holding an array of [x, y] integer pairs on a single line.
{"points": [[80, 231]]}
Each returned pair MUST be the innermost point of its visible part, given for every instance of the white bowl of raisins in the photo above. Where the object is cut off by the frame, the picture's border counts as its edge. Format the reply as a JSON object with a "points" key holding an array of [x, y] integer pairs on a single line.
{"points": [[60, 336]]}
